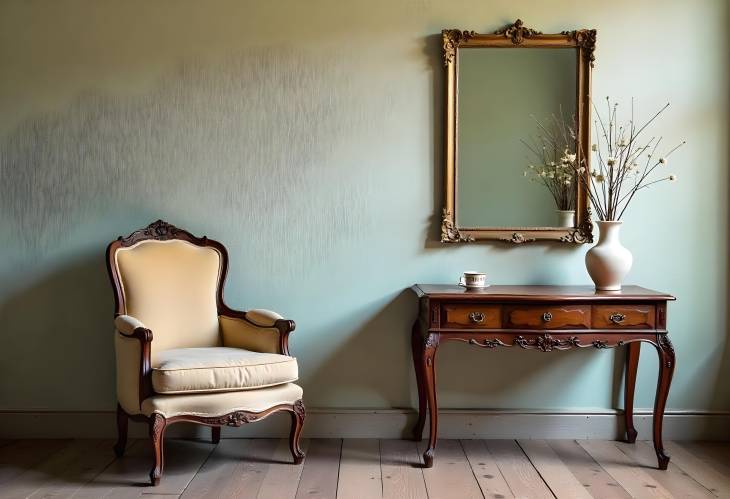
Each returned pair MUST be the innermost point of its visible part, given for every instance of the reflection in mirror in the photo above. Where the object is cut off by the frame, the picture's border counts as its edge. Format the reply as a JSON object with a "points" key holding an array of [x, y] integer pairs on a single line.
{"points": [[509, 102]]}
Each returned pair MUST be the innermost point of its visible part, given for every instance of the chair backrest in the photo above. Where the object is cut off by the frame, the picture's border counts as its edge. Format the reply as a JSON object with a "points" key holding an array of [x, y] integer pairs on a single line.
{"points": [[172, 281]]}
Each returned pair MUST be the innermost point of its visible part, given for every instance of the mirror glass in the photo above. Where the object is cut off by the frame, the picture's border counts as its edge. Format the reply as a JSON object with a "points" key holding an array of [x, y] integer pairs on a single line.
{"points": [[503, 94]]}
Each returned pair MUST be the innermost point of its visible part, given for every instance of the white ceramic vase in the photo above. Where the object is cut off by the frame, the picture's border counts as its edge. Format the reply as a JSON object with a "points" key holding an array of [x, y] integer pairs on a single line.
{"points": [[566, 218], [608, 262]]}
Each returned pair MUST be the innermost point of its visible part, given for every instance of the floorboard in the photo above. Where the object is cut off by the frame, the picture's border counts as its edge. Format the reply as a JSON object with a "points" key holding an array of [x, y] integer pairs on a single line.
{"points": [[676, 481], [63, 472], [715, 454], [451, 475], [594, 478], [360, 476], [400, 464], [485, 469], [129, 476], [321, 469], [720, 450], [365, 468], [282, 477], [522, 478], [236, 468], [699, 469], [18, 457], [554, 472], [634, 479], [125, 477]]}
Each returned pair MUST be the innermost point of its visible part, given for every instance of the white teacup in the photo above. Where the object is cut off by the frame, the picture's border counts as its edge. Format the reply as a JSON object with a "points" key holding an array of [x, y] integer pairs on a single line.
{"points": [[473, 279]]}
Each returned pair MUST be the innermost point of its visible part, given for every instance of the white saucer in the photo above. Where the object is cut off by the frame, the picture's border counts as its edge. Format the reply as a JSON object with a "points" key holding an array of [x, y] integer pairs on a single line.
{"points": [[473, 287]]}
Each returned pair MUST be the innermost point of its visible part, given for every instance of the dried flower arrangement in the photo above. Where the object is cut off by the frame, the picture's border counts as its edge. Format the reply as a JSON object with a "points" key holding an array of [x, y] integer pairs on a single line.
{"points": [[551, 149], [619, 155]]}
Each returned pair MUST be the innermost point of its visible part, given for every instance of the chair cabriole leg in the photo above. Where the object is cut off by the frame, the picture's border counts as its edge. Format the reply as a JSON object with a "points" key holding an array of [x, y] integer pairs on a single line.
{"points": [[297, 423], [216, 434], [157, 433]]}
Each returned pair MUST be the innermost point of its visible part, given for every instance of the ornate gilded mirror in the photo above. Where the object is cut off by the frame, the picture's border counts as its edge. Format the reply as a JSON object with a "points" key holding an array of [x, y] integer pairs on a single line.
{"points": [[517, 135]]}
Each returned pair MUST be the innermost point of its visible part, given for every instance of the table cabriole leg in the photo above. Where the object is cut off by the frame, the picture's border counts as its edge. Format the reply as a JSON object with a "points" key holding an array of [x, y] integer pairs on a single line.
{"points": [[633, 350], [666, 370], [417, 349], [429, 375]]}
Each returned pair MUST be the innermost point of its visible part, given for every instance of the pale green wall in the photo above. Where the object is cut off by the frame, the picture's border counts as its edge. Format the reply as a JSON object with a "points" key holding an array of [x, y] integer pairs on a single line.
{"points": [[307, 137]]}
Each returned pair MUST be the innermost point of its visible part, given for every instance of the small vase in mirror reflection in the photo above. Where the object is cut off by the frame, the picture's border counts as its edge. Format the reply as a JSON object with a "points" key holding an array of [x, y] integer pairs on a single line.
{"points": [[608, 262], [566, 218]]}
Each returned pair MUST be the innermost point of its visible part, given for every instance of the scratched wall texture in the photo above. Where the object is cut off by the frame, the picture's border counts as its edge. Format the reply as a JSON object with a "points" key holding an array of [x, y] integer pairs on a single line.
{"points": [[217, 137], [307, 138]]}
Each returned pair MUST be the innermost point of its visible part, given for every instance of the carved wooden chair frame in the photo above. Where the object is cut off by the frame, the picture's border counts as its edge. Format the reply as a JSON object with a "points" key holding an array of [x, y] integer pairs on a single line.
{"points": [[163, 231]]}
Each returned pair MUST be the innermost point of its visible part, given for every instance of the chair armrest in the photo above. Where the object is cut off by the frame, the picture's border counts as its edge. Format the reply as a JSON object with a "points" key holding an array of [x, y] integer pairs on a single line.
{"points": [[129, 329], [126, 324], [257, 329], [266, 318]]}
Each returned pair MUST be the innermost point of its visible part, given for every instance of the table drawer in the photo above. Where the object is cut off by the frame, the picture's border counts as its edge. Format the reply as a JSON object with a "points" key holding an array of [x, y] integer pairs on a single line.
{"points": [[549, 317], [624, 316], [472, 316]]}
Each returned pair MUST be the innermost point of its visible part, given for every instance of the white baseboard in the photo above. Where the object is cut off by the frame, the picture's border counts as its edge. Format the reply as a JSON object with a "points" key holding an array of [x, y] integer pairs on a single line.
{"points": [[391, 423]]}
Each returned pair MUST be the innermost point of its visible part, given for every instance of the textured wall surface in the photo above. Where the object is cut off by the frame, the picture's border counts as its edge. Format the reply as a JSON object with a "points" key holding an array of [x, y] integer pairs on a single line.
{"points": [[307, 136]]}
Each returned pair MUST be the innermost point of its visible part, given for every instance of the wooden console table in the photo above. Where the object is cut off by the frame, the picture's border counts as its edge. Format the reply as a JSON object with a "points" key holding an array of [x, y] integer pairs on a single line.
{"points": [[543, 318]]}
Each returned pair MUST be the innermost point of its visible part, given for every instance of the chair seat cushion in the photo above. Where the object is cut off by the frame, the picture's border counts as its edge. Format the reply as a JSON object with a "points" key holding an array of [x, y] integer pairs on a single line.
{"points": [[217, 369]]}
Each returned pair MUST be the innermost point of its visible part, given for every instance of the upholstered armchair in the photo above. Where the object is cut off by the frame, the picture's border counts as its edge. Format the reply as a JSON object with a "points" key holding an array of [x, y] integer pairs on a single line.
{"points": [[182, 354]]}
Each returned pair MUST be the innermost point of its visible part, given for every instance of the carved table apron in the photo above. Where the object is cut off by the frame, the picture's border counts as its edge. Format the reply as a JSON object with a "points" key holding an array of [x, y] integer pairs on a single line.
{"points": [[543, 318]]}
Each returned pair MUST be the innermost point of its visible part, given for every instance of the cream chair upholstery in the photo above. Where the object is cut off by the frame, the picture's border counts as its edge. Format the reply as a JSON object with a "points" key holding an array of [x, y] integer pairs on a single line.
{"points": [[220, 369], [182, 354], [207, 405], [170, 286]]}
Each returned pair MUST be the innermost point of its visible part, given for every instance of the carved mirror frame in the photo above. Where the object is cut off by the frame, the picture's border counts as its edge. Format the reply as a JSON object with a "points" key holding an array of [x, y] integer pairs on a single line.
{"points": [[517, 36]]}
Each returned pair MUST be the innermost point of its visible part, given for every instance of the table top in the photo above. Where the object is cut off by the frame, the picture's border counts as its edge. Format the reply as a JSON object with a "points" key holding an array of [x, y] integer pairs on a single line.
{"points": [[538, 293]]}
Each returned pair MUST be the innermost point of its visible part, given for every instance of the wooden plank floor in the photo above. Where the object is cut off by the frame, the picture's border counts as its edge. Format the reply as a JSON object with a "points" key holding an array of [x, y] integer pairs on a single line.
{"points": [[365, 468]]}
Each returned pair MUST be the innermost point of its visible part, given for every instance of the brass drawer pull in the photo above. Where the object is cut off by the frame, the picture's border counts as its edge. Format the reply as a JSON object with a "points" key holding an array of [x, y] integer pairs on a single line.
{"points": [[476, 317], [617, 318], [547, 316]]}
